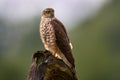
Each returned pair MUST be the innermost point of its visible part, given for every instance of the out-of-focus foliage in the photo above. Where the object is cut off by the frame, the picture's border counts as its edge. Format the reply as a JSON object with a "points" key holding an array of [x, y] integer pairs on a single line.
{"points": [[15, 55], [96, 46]]}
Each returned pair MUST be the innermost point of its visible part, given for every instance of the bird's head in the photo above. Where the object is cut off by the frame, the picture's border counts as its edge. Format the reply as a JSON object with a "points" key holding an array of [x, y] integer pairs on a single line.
{"points": [[48, 13]]}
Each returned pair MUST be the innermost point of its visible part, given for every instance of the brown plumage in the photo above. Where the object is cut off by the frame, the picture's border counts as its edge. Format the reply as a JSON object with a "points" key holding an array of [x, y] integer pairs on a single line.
{"points": [[55, 38]]}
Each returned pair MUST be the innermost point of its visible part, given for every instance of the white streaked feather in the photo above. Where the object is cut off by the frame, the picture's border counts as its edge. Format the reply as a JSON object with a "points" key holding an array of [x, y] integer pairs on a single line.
{"points": [[71, 45]]}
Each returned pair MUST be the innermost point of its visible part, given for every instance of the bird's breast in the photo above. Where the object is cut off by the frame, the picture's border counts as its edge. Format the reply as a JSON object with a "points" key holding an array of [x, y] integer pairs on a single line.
{"points": [[47, 33]]}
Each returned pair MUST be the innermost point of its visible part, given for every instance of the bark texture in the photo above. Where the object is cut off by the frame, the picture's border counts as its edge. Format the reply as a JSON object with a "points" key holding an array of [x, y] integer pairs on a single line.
{"points": [[44, 66]]}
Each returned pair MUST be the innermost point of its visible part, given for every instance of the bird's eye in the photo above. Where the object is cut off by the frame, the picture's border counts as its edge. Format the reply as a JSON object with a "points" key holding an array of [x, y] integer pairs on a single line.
{"points": [[47, 11]]}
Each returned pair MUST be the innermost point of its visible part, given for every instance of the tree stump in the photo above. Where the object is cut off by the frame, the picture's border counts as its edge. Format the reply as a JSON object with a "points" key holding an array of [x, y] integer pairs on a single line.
{"points": [[44, 66]]}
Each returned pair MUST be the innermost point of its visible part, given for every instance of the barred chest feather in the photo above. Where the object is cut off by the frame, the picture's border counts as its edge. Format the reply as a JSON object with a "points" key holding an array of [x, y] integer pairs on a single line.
{"points": [[47, 32]]}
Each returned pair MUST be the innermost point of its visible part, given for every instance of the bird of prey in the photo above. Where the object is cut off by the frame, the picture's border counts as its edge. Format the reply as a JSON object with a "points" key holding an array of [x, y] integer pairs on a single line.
{"points": [[55, 38]]}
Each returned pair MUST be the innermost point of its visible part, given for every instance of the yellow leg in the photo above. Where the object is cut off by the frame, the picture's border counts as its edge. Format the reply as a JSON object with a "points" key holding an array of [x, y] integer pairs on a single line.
{"points": [[55, 53]]}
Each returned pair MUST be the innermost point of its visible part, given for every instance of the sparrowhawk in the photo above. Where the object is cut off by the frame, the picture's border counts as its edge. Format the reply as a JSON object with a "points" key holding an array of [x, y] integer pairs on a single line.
{"points": [[55, 38]]}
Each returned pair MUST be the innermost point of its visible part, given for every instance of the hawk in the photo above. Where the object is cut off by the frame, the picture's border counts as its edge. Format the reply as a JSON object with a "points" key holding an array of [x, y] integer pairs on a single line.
{"points": [[55, 38]]}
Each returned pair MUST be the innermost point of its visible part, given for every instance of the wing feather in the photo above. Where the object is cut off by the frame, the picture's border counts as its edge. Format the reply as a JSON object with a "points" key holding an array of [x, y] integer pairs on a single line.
{"points": [[62, 40]]}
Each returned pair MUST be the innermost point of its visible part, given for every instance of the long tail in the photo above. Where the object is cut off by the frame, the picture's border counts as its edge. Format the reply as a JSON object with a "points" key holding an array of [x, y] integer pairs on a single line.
{"points": [[74, 73], [72, 67]]}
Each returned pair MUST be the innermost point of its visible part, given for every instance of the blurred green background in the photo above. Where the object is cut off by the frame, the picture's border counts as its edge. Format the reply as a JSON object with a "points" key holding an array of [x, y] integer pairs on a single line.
{"points": [[96, 42]]}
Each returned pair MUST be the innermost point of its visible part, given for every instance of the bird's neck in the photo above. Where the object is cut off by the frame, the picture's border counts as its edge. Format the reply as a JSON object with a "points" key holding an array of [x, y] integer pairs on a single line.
{"points": [[47, 18]]}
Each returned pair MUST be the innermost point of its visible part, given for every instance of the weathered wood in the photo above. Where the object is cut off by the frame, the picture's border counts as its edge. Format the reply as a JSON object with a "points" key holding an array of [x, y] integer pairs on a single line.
{"points": [[44, 66]]}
